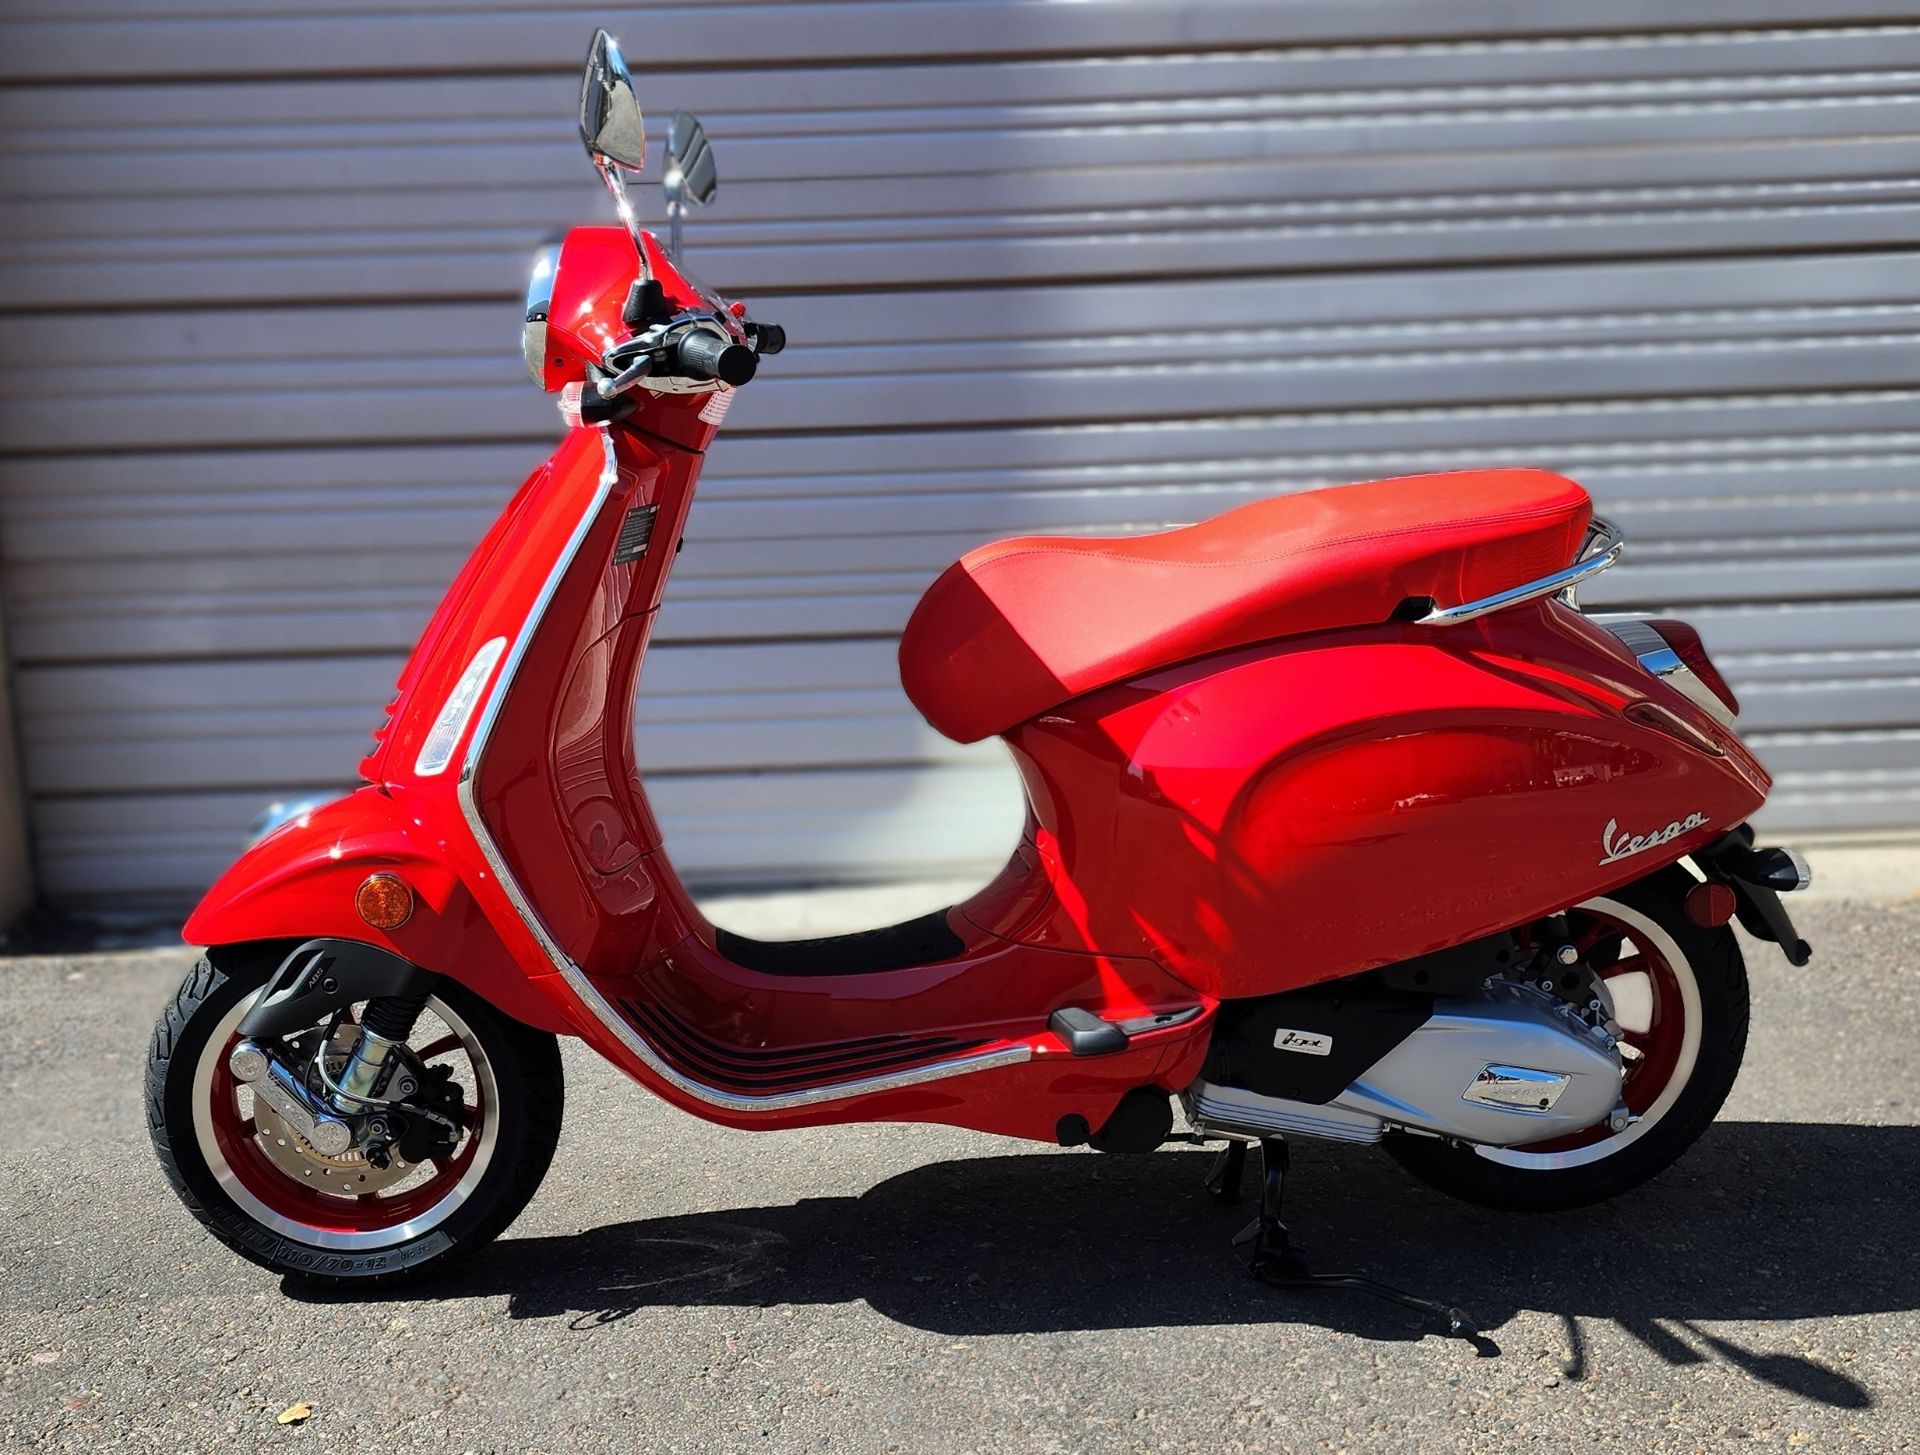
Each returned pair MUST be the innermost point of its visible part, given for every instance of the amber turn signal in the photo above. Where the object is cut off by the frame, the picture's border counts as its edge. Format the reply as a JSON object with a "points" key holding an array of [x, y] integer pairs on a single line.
{"points": [[384, 901]]}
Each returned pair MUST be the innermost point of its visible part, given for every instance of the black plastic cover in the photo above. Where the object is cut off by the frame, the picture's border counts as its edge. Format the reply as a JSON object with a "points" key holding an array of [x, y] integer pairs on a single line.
{"points": [[323, 976], [1085, 1033], [1140, 1123], [1356, 1021], [1734, 861]]}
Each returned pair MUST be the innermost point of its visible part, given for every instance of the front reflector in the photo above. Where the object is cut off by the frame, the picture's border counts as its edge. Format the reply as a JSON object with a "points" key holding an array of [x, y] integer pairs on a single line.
{"points": [[384, 901], [451, 725]]}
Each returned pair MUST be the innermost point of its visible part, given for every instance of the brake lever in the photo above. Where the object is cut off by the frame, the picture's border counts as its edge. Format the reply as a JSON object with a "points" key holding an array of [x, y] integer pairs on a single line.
{"points": [[626, 378], [648, 346]]}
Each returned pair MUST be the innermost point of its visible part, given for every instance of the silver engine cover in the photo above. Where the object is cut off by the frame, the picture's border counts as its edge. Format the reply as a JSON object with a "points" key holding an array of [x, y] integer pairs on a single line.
{"points": [[1502, 1070]]}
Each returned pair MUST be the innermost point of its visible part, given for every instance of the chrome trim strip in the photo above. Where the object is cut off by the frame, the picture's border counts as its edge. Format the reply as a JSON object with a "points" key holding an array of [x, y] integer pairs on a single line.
{"points": [[1640, 638], [576, 978], [1231, 1109], [1602, 539]]}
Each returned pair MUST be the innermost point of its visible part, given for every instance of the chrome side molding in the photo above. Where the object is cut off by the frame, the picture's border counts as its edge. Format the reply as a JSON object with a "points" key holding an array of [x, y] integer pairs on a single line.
{"points": [[590, 995], [1657, 657], [1600, 550]]}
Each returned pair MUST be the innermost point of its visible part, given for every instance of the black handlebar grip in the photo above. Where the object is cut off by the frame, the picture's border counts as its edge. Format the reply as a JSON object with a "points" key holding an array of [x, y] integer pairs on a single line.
{"points": [[769, 338], [701, 354]]}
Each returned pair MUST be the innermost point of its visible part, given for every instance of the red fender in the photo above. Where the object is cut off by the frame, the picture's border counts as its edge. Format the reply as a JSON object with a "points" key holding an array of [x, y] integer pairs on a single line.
{"points": [[298, 883]]}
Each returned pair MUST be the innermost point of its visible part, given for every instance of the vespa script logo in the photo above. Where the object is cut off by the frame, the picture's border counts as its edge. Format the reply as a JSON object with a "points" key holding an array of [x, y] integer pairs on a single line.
{"points": [[1619, 845]]}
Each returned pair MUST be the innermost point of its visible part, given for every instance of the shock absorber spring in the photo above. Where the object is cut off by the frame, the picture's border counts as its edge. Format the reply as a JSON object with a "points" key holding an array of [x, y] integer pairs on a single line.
{"points": [[386, 1023]]}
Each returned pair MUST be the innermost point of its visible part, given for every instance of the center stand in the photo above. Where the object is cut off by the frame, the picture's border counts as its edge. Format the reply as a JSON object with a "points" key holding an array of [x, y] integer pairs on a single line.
{"points": [[1268, 1249]]}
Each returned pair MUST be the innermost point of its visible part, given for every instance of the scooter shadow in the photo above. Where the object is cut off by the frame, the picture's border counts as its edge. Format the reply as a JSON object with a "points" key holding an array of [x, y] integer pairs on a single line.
{"points": [[1759, 1221]]}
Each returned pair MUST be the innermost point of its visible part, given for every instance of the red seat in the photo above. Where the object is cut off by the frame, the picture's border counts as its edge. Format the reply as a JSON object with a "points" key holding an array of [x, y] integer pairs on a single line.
{"points": [[1022, 625]]}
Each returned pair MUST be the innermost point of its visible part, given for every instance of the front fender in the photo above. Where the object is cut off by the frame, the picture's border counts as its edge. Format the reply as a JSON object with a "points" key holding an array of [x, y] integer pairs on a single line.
{"points": [[298, 883]]}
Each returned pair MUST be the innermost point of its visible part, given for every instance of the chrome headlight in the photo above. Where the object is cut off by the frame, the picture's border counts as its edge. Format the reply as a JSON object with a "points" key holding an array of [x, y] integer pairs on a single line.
{"points": [[533, 334]]}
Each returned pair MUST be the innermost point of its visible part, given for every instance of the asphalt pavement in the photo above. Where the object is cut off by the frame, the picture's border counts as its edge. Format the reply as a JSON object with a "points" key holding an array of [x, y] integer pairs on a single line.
{"points": [[680, 1288]]}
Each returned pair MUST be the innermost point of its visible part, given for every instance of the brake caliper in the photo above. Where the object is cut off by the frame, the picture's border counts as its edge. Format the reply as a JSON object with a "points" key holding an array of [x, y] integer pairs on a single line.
{"points": [[421, 1126]]}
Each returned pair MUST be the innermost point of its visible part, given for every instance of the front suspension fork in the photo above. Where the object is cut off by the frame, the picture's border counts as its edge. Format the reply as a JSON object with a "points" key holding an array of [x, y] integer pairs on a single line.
{"points": [[385, 1026]]}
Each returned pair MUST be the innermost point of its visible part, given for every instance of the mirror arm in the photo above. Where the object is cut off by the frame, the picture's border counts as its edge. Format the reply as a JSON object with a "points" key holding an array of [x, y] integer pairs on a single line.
{"points": [[614, 134], [674, 185], [623, 205]]}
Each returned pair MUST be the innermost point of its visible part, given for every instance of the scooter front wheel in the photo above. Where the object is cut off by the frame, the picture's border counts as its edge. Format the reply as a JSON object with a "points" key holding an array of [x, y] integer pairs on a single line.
{"points": [[1679, 994], [270, 1195]]}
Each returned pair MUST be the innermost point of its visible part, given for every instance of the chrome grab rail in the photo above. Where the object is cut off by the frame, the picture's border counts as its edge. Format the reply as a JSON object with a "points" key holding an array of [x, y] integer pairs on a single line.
{"points": [[1599, 550]]}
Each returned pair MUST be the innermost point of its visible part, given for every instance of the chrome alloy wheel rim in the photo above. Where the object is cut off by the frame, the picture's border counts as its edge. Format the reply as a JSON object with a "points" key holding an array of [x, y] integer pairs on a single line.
{"points": [[1654, 995], [339, 1203]]}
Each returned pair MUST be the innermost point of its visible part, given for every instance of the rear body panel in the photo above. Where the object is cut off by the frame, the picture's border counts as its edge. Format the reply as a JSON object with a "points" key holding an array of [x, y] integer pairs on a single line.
{"points": [[1280, 815]]}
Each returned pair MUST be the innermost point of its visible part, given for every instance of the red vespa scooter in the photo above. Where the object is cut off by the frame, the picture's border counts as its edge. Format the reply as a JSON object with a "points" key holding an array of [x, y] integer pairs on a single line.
{"points": [[1343, 822]]}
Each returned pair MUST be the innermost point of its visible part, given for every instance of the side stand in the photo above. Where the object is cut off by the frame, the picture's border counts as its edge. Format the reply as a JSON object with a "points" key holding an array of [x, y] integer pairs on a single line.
{"points": [[1269, 1253]]}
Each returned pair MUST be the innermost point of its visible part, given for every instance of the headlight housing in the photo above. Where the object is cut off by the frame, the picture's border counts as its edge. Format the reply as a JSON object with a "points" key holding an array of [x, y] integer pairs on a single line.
{"points": [[533, 333]]}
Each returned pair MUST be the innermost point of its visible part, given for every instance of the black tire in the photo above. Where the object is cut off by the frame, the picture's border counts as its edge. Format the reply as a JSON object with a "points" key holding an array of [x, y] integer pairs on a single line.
{"points": [[1711, 957], [525, 1068]]}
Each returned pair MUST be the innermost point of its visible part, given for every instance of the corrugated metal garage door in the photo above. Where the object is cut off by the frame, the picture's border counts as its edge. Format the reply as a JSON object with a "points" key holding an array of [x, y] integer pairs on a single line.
{"points": [[1048, 266]]}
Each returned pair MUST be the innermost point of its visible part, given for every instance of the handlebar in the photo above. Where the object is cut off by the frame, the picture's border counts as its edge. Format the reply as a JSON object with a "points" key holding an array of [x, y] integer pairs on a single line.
{"points": [[699, 354]]}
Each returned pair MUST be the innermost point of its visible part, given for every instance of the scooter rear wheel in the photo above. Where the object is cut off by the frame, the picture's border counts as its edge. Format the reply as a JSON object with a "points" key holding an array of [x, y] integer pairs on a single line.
{"points": [[1679, 992], [265, 1192]]}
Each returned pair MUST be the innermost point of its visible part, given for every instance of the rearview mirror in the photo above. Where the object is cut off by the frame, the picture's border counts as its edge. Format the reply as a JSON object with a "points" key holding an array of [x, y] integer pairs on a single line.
{"points": [[610, 121], [691, 174]]}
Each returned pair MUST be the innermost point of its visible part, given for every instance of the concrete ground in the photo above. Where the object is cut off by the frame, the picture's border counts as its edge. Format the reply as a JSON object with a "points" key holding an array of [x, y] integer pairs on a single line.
{"points": [[679, 1288]]}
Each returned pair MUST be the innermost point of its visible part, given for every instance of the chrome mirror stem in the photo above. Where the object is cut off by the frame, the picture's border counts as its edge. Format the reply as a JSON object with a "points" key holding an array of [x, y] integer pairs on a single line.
{"points": [[613, 130], [691, 178], [673, 184]]}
